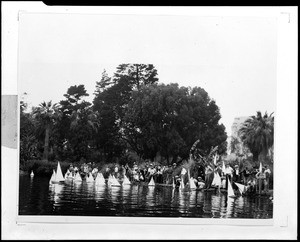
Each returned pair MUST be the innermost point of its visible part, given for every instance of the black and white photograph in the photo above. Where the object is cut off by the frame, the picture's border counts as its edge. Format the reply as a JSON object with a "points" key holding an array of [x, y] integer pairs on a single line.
{"points": [[147, 116]]}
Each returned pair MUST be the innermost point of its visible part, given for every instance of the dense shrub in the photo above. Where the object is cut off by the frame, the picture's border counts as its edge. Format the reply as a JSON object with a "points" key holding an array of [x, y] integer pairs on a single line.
{"points": [[43, 168]]}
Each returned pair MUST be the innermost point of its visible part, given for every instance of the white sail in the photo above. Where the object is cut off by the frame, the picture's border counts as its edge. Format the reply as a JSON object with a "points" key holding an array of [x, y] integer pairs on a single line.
{"points": [[217, 180], [31, 174], [99, 179], [109, 181], [115, 182], [181, 184], [214, 182], [52, 179], [126, 181], [89, 177], [59, 176], [230, 192], [192, 183], [151, 183], [77, 177], [223, 168], [241, 187], [260, 167]]}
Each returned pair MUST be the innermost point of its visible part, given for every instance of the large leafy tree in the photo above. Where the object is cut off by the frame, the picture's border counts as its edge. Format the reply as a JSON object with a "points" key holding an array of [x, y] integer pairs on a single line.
{"points": [[46, 114], [111, 100], [257, 133], [168, 119], [77, 124]]}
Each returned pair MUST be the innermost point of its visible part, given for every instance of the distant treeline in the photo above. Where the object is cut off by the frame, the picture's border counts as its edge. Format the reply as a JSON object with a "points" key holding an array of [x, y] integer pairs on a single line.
{"points": [[132, 118]]}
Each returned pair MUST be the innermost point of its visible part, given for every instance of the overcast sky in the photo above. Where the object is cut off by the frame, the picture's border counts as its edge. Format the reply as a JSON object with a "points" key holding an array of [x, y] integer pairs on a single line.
{"points": [[232, 58]]}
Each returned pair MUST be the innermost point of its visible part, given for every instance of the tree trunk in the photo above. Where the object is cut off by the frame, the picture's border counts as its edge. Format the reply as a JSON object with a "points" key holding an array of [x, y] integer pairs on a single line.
{"points": [[46, 146]]}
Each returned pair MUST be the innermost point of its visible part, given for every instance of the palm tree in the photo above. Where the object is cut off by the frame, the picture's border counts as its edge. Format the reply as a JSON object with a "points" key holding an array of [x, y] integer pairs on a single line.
{"points": [[257, 133], [46, 114]]}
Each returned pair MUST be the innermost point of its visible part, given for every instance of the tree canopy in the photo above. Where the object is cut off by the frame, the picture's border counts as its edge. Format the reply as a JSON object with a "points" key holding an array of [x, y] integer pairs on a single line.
{"points": [[132, 112]]}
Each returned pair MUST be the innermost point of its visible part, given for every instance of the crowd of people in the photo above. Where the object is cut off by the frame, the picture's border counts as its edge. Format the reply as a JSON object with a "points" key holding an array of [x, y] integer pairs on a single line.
{"points": [[201, 174]]}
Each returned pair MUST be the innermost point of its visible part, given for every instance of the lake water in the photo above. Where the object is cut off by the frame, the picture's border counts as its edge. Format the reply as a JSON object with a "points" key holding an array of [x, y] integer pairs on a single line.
{"points": [[37, 197]]}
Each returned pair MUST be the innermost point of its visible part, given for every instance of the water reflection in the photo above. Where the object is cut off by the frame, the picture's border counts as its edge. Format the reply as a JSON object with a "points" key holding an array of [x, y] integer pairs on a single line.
{"points": [[150, 196], [81, 198], [215, 205], [229, 207]]}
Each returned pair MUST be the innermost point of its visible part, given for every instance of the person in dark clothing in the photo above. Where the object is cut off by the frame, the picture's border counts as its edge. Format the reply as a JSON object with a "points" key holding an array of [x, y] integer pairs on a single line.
{"points": [[201, 171]]}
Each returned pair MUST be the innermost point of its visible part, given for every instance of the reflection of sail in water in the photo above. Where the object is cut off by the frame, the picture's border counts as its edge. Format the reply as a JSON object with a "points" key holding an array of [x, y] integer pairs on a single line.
{"points": [[181, 201], [77, 187], [229, 208], [115, 193], [215, 205], [56, 190], [99, 191], [150, 196], [192, 198], [90, 188], [239, 204], [126, 193], [223, 206]]}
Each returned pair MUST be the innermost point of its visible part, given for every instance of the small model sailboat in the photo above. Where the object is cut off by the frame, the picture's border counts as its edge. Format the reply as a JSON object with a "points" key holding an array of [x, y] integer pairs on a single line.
{"points": [[181, 184], [52, 177], [217, 180], [99, 179], [58, 175], [230, 192], [191, 181], [32, 174], [260, 167], [192, 184], [151, 183], [126, 181], [223, 168], [77, 177], [89, 178], [115, 182], [109, 181], [241, 187]]}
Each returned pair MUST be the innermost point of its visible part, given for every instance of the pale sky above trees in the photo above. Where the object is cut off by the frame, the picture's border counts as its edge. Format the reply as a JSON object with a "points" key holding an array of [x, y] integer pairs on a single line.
{"points": [[232, 58]]}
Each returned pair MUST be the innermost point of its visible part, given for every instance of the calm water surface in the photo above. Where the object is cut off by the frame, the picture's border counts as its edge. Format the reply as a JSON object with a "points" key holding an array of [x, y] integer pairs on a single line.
{"points": [[37, 197]]}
